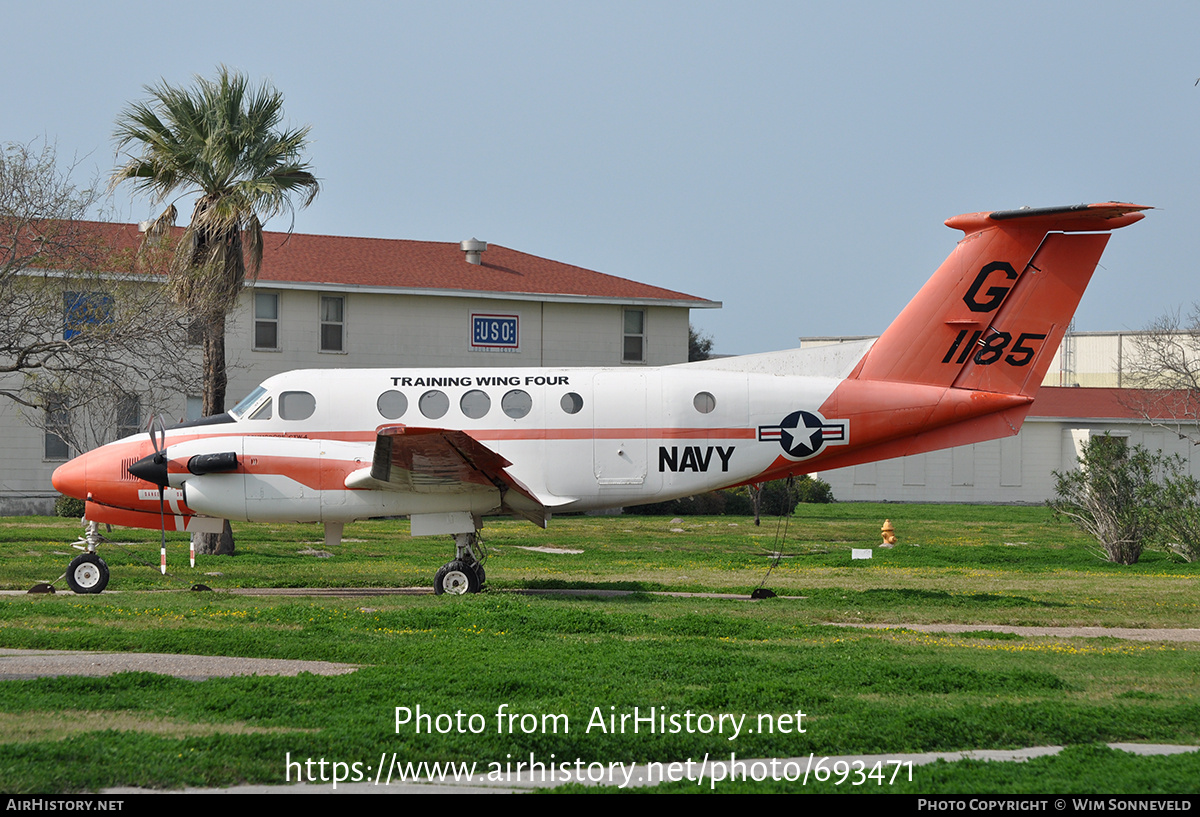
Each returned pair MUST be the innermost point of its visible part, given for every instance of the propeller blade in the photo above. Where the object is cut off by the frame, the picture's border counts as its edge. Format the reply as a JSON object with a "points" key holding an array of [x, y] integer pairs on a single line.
{"points": [[162, 517], [153, 467], [159, 442]]}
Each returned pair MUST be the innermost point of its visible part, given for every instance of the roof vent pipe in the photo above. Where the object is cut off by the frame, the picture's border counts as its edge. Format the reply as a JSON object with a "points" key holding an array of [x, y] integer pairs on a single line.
{"points": [[474, 248]]}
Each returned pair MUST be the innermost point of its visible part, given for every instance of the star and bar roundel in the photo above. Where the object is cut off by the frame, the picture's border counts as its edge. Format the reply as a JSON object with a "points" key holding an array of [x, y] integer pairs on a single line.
{"points": [[802, 434]]}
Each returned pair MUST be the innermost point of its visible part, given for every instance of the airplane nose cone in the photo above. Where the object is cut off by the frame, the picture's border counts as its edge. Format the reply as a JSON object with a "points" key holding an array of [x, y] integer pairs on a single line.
{"points": [[70, 478]]}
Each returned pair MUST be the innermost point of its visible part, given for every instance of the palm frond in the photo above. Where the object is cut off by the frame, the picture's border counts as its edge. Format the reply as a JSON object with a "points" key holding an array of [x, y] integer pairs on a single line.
{"points": [[221, 138]]}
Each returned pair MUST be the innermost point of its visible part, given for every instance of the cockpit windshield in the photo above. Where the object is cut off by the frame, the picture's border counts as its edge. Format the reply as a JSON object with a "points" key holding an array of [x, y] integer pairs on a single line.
{"points": [[247, 403]]}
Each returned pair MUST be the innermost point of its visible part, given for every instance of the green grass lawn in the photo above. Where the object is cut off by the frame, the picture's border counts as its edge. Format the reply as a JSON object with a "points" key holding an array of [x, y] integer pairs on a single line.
{"points": [[862, 691]]}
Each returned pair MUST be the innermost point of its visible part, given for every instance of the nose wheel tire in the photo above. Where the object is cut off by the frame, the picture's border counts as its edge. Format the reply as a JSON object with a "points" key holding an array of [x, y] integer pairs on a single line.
{"points": [[87, 574], [456, 578]]}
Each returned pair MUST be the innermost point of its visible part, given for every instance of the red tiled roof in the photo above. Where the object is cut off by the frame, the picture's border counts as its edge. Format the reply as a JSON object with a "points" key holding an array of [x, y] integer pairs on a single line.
{"points": [[384, 262], [438, 265], [1111, 404]]}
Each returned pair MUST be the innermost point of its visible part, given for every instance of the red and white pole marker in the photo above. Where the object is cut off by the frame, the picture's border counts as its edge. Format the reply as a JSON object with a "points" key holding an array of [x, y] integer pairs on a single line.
{"points": [[192, 550], [162, 551]]}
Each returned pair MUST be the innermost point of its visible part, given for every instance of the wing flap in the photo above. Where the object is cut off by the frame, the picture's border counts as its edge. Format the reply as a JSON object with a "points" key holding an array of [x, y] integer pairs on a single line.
{"points": [[438, 460], [433, 460]]}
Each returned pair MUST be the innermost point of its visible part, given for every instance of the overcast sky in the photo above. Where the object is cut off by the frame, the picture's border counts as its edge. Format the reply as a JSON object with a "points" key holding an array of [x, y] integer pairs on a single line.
{"points": [[791, 160]]}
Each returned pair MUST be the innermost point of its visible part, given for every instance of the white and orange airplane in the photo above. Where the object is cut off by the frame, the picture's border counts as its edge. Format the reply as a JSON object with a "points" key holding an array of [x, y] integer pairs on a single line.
{"points": [[447, 447]]}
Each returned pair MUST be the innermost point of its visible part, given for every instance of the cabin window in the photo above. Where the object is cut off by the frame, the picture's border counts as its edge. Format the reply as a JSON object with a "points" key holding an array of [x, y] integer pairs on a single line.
{"points": [[332, 323], [634, 349], [516, 403], [296, 405], [434, 404], [392, 405], [704, 402], [241, 408], [266, 320], [475, 404], [263, 412], [571, 403]]}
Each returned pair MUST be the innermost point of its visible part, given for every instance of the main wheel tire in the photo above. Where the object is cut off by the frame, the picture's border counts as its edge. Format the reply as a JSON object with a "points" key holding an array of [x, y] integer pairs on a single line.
{"points": [[479, 573], [456, 578], [87, 574]]}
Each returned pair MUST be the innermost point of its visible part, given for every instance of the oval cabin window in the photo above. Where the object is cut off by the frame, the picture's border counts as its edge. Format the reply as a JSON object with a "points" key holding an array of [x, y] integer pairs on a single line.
{"points": [[516, 403], [434, 404], [392, 405]]}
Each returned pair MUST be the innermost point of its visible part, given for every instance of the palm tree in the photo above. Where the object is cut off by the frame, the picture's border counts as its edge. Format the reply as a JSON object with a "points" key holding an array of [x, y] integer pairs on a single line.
{"points": [[222, 141]]}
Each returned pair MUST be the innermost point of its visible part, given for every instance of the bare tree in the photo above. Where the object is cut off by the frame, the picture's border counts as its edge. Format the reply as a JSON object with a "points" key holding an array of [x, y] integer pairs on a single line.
{"points": [[1165, 368], [85, 322]]}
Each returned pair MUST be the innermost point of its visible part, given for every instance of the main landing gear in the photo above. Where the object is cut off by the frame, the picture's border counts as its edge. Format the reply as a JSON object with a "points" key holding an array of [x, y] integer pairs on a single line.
{"points": [[465, 573], [88, 573]]}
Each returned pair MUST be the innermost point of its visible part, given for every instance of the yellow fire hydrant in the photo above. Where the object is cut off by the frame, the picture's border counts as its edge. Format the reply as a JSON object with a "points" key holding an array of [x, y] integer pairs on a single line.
{"points": [[889, 534]]}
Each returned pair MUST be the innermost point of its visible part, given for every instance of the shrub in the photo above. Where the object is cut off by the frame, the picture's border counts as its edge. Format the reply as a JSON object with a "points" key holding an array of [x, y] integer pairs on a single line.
{"points": [[814, 491], [1128, 499], [777, 500], [1177, 514], [68, 506]]}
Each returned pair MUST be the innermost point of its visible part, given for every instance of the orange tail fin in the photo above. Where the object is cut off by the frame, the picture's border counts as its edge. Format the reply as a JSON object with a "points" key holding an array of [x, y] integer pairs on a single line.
{"points": [[992, 315]]}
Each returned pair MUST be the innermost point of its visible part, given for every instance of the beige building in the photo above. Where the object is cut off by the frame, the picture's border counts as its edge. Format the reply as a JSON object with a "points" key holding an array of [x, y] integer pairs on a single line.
{"points": [[332, 302], [1016, 470], [1092, 359]]}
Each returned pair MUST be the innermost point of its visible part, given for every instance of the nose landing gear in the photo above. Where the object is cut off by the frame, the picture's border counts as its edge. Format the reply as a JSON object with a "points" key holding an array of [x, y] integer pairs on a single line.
{"points": [[88, 573]]}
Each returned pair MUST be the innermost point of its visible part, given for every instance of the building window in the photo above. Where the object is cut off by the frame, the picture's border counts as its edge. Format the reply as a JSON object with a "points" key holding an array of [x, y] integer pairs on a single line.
{"points": [[195, 407], [266, 320], [58, 423], [634, 350], [129, 416], [332, 323], [81, 309]]}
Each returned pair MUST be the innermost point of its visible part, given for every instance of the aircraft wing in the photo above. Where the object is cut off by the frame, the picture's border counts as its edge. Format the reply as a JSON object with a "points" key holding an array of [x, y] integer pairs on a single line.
{"points": [[437, 460]]}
